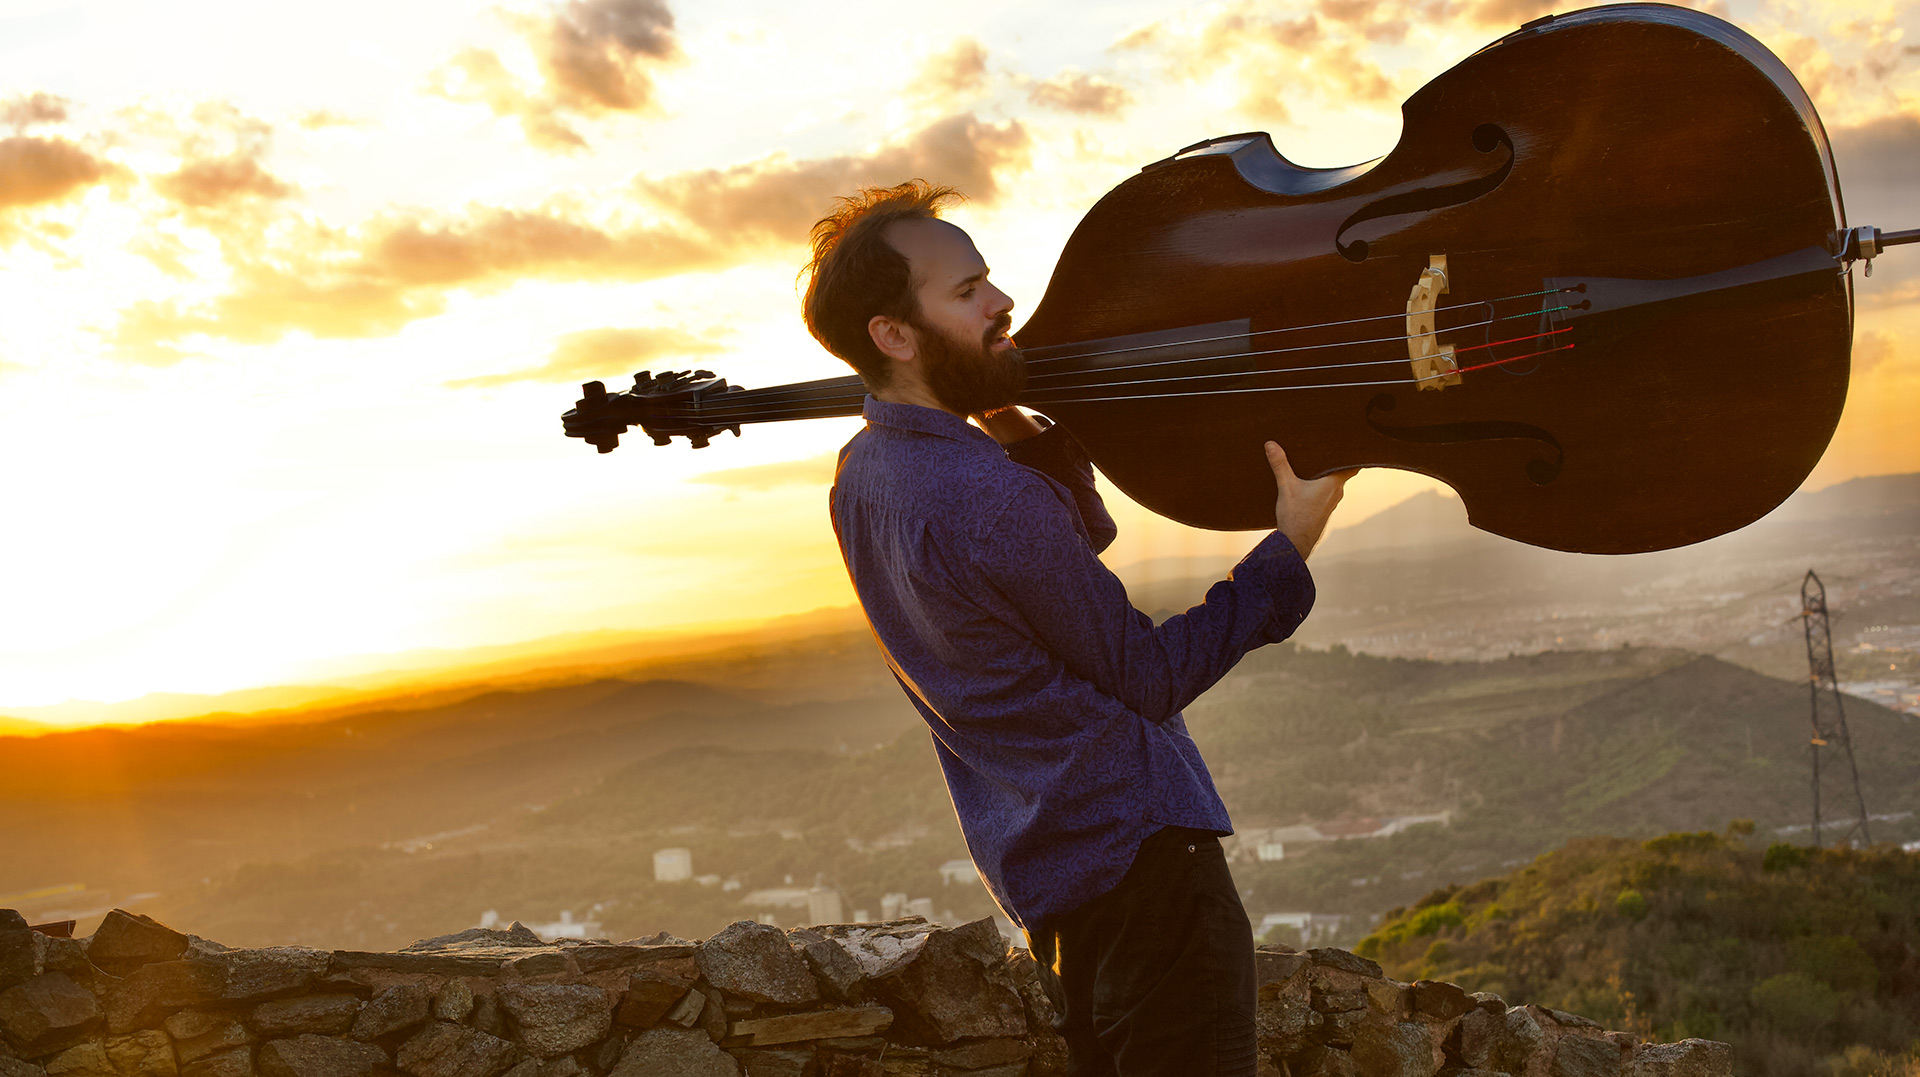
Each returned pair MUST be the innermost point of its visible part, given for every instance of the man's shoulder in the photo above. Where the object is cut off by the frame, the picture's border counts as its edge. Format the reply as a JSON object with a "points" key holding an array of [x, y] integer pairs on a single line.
{"points": [[939, 480]]}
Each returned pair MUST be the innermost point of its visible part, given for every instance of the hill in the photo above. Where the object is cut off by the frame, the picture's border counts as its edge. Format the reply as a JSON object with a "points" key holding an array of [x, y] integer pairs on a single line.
{"points": [[1792, 955], [1522, 753]]}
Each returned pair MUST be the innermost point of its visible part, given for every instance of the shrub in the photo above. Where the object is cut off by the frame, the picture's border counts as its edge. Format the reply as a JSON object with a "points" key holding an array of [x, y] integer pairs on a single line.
{"points": [[1781, 856], [1631, 904], [1793, 1002]]}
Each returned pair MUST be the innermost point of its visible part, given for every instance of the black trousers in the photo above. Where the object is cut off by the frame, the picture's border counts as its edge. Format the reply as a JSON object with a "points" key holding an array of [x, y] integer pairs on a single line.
{"points": [[1155, 977]]}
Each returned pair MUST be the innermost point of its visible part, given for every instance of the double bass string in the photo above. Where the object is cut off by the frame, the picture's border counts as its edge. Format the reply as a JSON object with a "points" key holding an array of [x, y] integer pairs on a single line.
{"points": [[728, 410]]}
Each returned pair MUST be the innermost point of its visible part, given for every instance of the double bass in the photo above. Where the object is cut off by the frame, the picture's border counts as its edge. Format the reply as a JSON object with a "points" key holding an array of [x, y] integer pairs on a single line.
{"points": [[1601, 288]]}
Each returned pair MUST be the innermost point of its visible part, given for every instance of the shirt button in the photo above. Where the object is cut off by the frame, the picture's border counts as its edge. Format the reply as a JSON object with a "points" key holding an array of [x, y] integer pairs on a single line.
{"points": [[1191, 848]]}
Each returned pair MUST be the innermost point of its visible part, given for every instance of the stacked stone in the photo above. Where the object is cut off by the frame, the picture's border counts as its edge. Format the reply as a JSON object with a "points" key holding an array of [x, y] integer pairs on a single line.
{"points": [[902, 998], [1329, 1013]]}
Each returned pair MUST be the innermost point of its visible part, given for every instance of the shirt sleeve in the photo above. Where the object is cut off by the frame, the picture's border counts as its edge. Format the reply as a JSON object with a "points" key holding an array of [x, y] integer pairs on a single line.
{"points": [[1054, 453], [1079, 609]]}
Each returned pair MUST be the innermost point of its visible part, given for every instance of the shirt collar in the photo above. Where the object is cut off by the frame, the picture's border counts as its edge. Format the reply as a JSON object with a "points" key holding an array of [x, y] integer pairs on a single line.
{"points": [[923, 420]]}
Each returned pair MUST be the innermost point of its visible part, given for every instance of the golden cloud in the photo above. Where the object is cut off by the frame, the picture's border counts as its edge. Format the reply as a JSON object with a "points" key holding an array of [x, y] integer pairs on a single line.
{"points": [[35, 171], [213, 182], [1077, 91], [958, 71], [779, 200], [592, 353], [594, 56], [1274, 60], [290, 274]]}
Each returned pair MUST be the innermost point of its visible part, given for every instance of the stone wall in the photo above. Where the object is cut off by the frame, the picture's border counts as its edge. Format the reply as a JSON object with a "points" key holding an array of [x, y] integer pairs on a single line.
{"points": [[900, 998]]}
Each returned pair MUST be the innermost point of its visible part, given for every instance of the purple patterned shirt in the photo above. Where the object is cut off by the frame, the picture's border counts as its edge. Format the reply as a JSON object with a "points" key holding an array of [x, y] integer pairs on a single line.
{"points": [[1054, 704]]}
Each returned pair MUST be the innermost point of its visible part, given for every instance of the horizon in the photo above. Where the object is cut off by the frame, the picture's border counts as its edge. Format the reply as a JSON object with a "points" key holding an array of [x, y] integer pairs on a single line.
{"points": [[288, 329]]}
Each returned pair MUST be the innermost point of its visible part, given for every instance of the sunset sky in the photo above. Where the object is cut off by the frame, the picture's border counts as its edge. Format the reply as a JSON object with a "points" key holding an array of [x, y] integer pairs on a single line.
{"points": [[293, 296]]}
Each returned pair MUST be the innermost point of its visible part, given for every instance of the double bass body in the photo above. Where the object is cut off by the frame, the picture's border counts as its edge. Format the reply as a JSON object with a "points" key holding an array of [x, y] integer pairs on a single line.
{"points": [[1596, 162]]}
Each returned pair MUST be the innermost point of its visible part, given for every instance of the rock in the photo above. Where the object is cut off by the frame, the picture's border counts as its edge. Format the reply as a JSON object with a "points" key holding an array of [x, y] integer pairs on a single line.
{"points": [[713, 1017], [773, 1062], [202, 1035], [490, 1017], [984, 1053], [1688, 1058], [1049, 1058], [1474, 1038], [1270, 966], [1340, 1001], [564, 1066], [234, 1062], [755, 961], [553, 1019], [526, 1067], [447, 1050], [153, 991], [270, 971], [958, 987], [22, 951], [1440, 1001], [649, 998], [598, 956], [542, 964], [517, 936], [66, 955], [1573, 1020], [87, 1059], [454, 1002], [1284, 1017], [430, 964], [1490, 1002], [128, 940], [1585, 1056], [818, 1025], [833, 967], [400, 1006], [46, 1014], [1340, 1028], [674, 1052], [687, 1012], [147, 1053], [1389, 999], [1515, 1042], [1341, 959], [13, 1067], [329, 1015], [319, 1056], [1323, 1062], [1397, 1049]]}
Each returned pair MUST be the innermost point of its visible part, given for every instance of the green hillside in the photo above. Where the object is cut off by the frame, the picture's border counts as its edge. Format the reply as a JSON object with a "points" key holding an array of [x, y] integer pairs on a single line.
{"points": [[1808, 961]]}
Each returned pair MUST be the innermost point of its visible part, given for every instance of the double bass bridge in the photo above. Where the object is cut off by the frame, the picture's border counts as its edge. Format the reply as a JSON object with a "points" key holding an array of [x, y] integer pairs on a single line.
{"points": [[1433, 363]]}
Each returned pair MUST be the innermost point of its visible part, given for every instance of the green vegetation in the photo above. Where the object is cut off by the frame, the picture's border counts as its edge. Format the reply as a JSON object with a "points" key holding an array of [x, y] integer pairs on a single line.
{"points": [[1808, 961]]}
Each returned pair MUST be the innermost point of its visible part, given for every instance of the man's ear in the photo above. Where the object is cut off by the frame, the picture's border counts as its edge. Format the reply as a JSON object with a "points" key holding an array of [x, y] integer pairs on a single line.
{"points": [[895, 340]]}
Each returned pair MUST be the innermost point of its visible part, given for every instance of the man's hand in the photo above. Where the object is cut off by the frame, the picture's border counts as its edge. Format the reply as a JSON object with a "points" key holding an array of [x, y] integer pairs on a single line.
{"points": [[1304, 505], [1008, 425]]}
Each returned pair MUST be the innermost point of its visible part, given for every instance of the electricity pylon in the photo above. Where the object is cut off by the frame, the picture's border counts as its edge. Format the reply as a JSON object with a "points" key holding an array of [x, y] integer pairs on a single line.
{"points": [[1829, 715]]}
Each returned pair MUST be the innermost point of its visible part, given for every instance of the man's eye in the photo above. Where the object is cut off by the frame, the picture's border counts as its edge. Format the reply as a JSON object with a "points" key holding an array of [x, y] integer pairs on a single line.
{"points": [[968, 294]]}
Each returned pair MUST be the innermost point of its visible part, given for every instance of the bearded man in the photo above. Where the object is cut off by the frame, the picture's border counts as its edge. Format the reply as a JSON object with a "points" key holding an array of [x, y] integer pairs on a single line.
{"points": [[1054, 705]]}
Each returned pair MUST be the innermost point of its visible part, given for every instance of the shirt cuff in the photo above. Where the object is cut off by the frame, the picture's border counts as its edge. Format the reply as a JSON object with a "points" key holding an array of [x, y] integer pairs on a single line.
{"points": [[1277, 565]]}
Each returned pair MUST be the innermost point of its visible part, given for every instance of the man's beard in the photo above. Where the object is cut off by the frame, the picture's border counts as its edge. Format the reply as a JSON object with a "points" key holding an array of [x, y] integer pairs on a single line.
{"points": [[968, 376]]}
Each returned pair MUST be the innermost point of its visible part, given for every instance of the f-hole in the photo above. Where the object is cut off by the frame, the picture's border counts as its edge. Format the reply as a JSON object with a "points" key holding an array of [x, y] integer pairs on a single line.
{"points": [[1486, 138], [1540, 471]]}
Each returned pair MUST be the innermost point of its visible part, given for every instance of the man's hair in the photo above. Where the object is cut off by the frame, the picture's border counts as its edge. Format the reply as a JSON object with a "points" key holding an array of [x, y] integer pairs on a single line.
{"points": [[856, 274]]}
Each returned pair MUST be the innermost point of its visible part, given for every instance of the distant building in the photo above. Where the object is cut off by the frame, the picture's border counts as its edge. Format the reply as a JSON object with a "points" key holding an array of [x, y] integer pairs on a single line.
{"points": [[1268, 843], [1270, 850], [823, 906], [922, 907], [958, 871], [672, 865], [1311, 927]]}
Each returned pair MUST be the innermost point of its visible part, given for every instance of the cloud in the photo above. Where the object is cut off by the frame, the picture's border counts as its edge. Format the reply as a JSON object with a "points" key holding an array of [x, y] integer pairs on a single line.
{"points": [[28, 110], [1275, 60], [779, 199], [292, 274], [594, 353], [814, 471], [594, 57], [1872, 349], [1877, 162], [1077, 91], [954, 73], [36, 171], [213, 182]]}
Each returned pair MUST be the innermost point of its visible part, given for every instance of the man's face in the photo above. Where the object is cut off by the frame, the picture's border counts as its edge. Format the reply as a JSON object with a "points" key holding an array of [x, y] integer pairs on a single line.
{"points": [[966, 355]]}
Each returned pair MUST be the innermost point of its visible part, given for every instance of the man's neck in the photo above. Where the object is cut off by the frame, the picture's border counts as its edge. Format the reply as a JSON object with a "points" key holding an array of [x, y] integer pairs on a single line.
{"points": [[901, 392]]}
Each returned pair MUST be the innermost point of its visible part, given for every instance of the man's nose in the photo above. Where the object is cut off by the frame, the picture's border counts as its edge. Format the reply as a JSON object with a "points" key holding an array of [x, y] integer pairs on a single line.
{"points": [[1002, 302]]}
